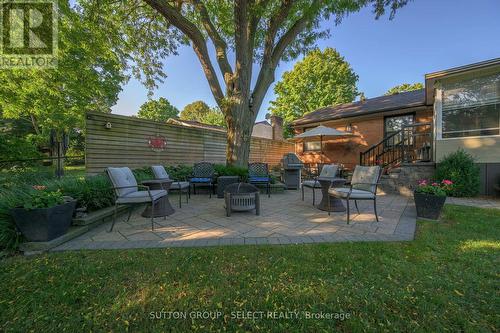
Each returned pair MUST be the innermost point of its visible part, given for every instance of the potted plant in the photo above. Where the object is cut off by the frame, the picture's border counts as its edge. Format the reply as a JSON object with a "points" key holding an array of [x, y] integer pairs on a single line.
{"points": [[45, 215], [430, 197]]}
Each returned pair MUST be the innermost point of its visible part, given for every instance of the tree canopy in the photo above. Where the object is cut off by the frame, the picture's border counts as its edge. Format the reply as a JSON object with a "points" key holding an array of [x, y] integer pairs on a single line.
{"points": [[260, 33], [158, 110], [322, 78], [201, 112], [89, 76], [404, 87], [195, 111]]}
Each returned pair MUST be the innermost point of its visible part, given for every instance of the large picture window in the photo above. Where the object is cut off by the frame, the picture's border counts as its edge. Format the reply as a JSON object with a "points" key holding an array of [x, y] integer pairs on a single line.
{"points": [[471, 106], [311, 146]]}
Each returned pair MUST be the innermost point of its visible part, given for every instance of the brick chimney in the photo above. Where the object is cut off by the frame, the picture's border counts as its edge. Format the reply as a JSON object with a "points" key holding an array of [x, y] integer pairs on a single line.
{"points": [[277, 125]]}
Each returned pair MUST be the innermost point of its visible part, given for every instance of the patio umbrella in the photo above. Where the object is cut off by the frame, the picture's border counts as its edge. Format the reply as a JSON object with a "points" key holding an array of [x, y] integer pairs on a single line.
{"points": [[321, 132]]}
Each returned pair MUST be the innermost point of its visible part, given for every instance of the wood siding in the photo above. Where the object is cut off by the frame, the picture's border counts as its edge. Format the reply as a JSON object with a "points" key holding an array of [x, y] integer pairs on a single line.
{"points": [[370, 130], [126, 144]]}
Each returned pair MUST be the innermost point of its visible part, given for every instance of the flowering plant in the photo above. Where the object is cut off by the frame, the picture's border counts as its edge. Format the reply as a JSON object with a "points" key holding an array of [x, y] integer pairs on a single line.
{"points": [[41, 198], [434, 188]]}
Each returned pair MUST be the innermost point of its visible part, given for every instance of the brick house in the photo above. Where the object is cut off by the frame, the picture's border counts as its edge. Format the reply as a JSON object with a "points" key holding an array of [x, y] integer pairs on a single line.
{"points": [[459, 108]]}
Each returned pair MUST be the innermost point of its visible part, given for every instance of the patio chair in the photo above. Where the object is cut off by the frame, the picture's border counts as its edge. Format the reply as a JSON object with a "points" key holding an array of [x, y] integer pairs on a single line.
{"points": [[327, 171], [363, 186], [181, 186], [126, 191], [258, 174], [203, 174]]}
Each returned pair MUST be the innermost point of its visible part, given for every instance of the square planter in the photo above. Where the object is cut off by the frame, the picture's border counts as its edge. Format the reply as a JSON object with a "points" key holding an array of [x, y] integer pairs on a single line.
{"points": [[428, 206], [44, 224]]}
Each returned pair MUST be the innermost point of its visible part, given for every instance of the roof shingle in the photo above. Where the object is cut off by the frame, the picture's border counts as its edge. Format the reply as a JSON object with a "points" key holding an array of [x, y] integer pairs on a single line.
{"points": [[373, 105]]}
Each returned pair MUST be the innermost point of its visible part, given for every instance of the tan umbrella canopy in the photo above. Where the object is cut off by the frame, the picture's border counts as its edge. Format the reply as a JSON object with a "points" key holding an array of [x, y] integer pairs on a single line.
{"points": [[321, 132]]}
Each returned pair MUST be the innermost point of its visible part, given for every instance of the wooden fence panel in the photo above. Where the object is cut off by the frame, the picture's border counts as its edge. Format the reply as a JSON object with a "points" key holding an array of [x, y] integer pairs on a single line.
{"points": [[126, 144]]}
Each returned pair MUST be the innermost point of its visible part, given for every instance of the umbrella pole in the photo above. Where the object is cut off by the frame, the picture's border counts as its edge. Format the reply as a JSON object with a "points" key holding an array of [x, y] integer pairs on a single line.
{"points": [[321, 143]]}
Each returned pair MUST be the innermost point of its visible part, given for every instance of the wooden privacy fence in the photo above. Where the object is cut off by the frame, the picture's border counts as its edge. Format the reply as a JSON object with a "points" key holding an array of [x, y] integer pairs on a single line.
{"points": [[113, 140]]}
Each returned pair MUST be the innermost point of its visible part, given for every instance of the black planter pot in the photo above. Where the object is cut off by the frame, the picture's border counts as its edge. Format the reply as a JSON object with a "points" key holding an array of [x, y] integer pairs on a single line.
{"points": [[428, 206], [44, 224]]}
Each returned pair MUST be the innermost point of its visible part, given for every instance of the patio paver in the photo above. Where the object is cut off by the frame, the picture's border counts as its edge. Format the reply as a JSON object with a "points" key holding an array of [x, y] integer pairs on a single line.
{"points": [[284, 219]]}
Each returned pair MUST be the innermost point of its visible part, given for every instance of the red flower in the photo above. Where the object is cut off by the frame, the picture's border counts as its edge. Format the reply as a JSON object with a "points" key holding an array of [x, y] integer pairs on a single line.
{"points": [[447, 182]]}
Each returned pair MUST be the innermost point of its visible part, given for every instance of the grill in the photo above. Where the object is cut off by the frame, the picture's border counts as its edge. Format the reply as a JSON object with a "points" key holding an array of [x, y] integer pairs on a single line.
{"points": [[292, 167], [241, 197]]}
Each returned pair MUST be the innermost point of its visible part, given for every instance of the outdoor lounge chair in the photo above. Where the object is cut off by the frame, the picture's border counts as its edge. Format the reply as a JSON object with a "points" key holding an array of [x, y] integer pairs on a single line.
{"points": [[363, 186], [258, 174], [127, 192], [181, 186], [327, 171], [203, 173]]}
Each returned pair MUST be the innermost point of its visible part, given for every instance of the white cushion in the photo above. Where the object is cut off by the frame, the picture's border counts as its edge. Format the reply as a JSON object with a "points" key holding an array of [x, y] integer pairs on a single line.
{"points": [[122, 177], [141, 196], [159, 172], [367, 176], [343, 192], [311, 183], [179, 185]]}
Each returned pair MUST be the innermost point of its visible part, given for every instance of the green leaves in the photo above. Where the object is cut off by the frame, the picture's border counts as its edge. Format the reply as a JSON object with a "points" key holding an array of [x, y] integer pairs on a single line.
{"points": [[404, 87], [321, 79], [88, 77], [158, 110], [201, 112], [42, 198]]}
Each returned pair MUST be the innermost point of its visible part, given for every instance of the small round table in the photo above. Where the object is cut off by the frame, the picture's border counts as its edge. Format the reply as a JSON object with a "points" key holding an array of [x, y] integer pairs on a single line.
{"points": [[335, 203], [162, 205]]}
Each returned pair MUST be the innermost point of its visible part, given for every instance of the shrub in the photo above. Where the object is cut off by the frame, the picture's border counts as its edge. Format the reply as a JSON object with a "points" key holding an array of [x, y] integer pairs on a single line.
{"points": [[229, 170], [179, 172], [94, 192], [459, 167], [41, 197]]}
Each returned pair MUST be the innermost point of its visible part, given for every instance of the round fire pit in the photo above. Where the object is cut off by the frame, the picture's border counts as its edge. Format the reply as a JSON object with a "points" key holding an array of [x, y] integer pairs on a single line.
{"points": [[241, 197]]}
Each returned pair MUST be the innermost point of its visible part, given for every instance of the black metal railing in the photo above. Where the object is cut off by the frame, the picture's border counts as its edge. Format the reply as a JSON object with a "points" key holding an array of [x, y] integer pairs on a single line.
{"points": [[411, 144]]}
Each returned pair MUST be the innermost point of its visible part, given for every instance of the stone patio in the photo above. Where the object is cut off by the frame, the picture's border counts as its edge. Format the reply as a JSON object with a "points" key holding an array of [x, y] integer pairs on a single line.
{"points": [[284, 219]]}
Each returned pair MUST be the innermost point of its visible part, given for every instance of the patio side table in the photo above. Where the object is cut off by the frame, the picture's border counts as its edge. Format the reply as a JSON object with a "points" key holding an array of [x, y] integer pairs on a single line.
{"points": [[162, 205], [223, 181], [335, 203]]}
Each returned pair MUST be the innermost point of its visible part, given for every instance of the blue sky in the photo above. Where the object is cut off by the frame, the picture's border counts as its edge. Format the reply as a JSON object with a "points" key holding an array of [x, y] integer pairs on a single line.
{"points": [[425, 36]]}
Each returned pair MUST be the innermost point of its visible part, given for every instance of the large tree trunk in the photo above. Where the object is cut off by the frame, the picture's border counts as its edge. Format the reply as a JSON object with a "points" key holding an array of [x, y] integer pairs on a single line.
{"points": [[240, 120]]}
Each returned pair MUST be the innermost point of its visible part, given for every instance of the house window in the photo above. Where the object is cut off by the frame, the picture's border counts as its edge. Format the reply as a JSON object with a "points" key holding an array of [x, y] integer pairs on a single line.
{"points": [[394, 124], [311, 145], [471, 106]]}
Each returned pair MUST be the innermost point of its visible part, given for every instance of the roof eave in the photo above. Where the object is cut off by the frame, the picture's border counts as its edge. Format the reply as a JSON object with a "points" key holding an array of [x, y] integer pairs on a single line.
{"points": [[312, 121]]}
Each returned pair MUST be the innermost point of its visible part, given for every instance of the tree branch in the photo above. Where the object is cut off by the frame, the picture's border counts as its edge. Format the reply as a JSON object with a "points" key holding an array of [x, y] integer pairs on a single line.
{"points": [[219, 42], [273, 56], [174, 16]]}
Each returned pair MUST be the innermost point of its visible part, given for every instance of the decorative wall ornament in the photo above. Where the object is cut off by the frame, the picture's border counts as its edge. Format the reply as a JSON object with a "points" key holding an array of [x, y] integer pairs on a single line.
{"points": [[157, 143]]}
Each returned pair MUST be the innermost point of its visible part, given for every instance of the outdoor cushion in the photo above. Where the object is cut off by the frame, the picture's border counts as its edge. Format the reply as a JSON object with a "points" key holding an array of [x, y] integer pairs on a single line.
{"points": [[342, 192], [201, 180], [311, 183], [141, 196], [259, 179], [329, 170], [121, 177], [366, 175], [179, 185], [159, 172]]}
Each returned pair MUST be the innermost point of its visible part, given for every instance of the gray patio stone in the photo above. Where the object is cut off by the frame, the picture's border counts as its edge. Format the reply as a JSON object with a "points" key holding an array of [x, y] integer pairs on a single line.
{"points": [[285, 219]]}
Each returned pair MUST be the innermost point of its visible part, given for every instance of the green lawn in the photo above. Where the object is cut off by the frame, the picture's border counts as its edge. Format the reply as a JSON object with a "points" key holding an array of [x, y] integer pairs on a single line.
{"points": [[447, 279]]}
